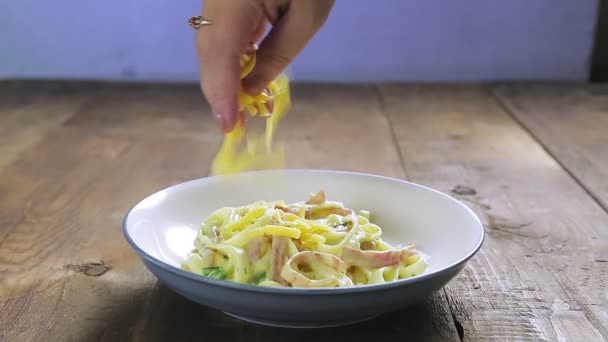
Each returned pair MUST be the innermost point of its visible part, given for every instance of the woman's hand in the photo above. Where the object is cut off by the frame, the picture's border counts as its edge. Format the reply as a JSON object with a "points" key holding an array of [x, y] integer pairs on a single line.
{"points": [[236, 25]]}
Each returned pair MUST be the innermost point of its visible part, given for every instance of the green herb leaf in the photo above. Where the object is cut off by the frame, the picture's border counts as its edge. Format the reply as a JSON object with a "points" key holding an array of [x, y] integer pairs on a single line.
{"points": [[259, 278], [209, 270], [215, 272], [343, 223], [220, 275]]}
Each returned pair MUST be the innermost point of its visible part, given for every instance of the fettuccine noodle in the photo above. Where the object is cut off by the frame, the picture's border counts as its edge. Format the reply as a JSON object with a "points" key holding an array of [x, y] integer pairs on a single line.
{"points": [[317, 243]]}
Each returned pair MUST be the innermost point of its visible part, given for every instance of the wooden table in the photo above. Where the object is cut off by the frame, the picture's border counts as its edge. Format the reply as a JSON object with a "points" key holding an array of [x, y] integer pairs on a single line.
{"points": [[532, 161]]}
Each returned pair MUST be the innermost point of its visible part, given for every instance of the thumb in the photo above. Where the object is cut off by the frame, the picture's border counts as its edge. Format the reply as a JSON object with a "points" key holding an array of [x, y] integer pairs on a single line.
{"points": [[287, 38]]}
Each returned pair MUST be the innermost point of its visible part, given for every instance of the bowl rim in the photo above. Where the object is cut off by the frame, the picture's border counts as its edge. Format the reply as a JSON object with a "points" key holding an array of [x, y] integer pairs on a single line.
{"points": [[305, 291]]}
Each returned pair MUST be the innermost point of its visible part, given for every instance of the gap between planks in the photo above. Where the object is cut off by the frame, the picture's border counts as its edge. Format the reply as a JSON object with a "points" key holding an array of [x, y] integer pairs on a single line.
{"points": [[507, 109], [382, 107]]}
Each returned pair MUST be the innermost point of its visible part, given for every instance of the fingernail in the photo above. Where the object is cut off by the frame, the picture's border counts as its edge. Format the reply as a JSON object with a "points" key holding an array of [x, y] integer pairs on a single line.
{"points": [[223, 122]]}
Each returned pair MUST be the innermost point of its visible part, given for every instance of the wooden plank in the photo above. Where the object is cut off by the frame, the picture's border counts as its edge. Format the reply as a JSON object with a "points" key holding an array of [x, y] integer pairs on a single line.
{"points": [[62, 202], [340, 128], [571, 121], [541, 274], [28, 112], [149, 109], [68, 194]]}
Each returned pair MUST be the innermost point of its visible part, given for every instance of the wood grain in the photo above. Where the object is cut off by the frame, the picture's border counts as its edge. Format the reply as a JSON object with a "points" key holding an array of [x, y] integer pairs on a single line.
{"points": [[339, 128], [571, 121], [28, 112], [147, 109], [62, 200], [541, 274], [62, 204]]}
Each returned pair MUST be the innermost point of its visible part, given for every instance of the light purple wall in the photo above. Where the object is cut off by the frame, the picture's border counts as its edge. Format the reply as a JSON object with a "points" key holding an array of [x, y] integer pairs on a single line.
{"points": [[395, 40]]}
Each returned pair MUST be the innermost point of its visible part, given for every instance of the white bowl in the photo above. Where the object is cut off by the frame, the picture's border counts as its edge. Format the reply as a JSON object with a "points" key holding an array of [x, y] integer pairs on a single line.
{"points": [[162, 227]]}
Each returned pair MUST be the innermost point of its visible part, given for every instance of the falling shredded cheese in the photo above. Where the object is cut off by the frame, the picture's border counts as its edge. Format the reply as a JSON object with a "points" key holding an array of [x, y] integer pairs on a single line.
{"points": [[242, 152]]}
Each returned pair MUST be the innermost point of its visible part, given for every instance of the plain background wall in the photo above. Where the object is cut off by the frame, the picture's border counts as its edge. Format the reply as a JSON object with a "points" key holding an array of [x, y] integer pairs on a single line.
{"points": [[384, 40]]}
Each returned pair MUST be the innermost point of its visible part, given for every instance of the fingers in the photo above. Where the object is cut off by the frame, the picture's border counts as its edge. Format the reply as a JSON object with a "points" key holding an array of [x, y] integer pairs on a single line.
{"points": [[289, 34], [219, 46], [235, 25]]}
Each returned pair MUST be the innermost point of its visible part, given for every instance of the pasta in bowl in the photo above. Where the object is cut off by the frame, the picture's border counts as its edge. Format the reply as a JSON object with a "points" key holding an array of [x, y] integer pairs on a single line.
{"points": [[317, 243], [336, 262]]}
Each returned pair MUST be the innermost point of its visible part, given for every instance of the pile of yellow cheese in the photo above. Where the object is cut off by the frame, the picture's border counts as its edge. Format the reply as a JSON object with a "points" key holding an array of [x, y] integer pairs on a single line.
{"points": [[243, 152]]}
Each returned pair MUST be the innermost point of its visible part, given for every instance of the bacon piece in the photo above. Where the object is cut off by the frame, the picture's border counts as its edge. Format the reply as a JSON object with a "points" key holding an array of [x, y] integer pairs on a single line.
{"points": [[323, 212], [374, 259], [339, 211], [319, 198], [278, 258], [297, 279], [367, 245], [307, 212], [257, 248], [287, 210]]}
